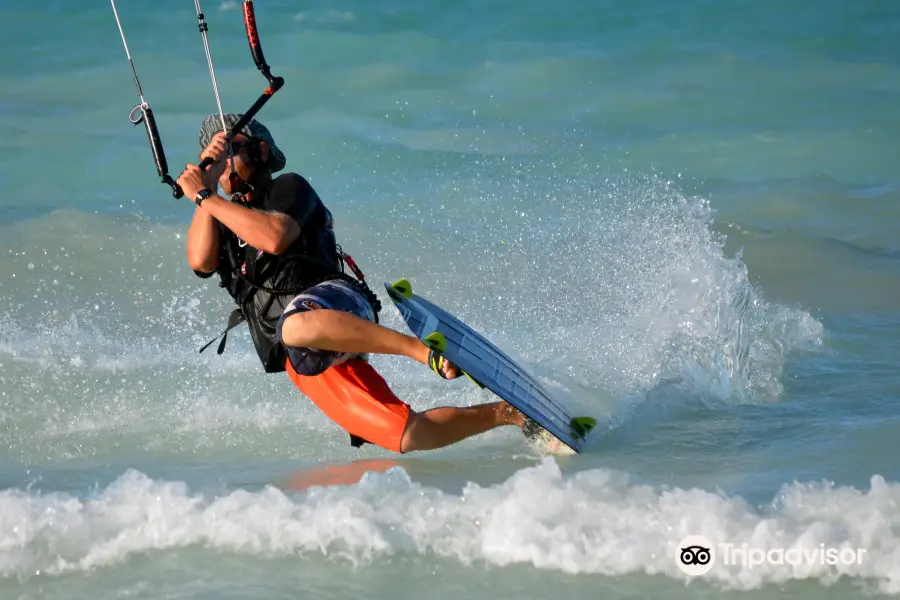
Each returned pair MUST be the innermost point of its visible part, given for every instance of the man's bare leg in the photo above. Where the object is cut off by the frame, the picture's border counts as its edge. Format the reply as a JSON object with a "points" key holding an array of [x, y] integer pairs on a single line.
{"points": [[439, 427], [340, 331]]}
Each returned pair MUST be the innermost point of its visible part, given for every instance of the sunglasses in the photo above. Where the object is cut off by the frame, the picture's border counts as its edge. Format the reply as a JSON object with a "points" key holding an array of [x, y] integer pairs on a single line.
{"points": [[236, 147]]}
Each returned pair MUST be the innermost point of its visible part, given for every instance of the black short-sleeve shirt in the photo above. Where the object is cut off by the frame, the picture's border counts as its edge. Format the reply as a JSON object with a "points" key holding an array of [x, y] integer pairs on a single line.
{"points": [[292, 195]]}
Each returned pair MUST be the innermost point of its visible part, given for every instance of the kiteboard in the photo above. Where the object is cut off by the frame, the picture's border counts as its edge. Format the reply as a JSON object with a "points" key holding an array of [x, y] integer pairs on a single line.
{"points": [[559, 432]]}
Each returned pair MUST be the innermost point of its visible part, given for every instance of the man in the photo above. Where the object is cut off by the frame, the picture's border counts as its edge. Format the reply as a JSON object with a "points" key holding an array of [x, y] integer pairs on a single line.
{"points": [[274, 249]]}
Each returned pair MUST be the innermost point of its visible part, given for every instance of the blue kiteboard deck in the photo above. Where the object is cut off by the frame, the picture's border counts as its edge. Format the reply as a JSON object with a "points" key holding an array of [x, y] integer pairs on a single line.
{"points": [[487, 365]]}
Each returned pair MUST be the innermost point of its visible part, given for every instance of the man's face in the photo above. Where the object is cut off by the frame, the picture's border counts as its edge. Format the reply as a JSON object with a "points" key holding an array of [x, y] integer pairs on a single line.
{"points": [[243, 160]]}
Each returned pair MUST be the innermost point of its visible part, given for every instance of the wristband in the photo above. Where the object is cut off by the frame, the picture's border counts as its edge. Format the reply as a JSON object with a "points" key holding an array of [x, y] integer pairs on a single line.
{"points": [[202, 195]]}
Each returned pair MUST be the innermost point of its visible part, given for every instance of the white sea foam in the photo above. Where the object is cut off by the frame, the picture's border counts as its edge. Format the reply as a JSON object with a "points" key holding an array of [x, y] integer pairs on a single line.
{"points": [[594, 522]]}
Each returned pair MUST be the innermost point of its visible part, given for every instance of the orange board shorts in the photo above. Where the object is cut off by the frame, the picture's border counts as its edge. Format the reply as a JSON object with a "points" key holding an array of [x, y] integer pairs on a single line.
{"points": [[356, 397], [343, 385]]}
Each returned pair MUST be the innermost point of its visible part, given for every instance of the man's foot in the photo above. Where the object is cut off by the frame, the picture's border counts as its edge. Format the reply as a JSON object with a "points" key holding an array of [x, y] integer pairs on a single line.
{"points": [[442, 366], [539, 438], [512, 415], [543, 441]]}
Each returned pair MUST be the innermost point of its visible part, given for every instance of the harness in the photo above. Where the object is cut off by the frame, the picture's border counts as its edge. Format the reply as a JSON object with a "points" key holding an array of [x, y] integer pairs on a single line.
{"points": [[262, 285]]}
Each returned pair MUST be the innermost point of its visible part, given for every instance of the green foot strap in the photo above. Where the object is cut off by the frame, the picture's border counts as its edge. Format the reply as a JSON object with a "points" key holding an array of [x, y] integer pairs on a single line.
{"points": [[436, 362], [581, 426]]}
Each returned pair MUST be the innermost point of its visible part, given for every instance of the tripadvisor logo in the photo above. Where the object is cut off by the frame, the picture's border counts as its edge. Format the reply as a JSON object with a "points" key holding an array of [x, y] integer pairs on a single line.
{"points": [[695, 555]]}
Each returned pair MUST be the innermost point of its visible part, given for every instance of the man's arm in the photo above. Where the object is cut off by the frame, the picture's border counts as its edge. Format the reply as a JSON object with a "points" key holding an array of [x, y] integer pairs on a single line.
{"points": [[290, 203], [271, 232], [203, 242]]}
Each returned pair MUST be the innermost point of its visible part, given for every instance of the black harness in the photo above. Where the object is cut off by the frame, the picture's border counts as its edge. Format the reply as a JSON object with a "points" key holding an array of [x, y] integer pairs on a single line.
{"points": [[262, 285]]}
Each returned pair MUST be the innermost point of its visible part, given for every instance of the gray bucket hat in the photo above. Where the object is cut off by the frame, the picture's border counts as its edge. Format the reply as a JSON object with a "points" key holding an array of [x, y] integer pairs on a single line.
{"points": [[213, 124]]}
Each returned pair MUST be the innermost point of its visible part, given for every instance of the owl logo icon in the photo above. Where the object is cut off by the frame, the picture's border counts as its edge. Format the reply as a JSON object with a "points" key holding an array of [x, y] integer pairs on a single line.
{"points": [[695, 555]]}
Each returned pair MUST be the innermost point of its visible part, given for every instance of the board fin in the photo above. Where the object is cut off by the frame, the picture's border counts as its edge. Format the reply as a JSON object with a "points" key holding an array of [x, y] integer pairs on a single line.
{"points": [[581, 426], [402, 287], [438, 343]]}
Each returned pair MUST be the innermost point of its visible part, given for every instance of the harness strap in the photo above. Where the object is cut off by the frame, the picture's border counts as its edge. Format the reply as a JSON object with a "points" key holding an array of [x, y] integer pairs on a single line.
{"points": [[357, 441], [234, 319]]}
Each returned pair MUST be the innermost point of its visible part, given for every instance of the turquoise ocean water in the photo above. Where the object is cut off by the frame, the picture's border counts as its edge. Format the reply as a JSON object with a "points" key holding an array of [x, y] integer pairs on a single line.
{"points": [[682, 215]]}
